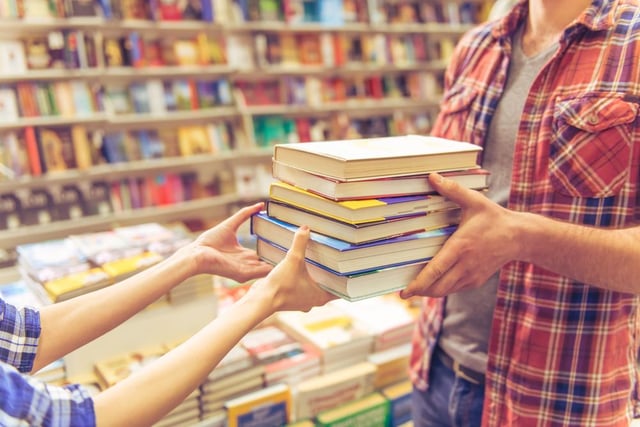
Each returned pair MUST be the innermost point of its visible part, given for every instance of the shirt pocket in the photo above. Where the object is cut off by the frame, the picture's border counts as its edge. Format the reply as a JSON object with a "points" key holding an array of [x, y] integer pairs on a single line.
{"points": [[455, 119], [591, 145]]}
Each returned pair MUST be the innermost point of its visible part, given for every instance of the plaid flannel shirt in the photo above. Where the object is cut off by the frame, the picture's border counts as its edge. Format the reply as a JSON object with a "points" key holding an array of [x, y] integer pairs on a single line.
{"points": [[25, 401], [561, 352]]}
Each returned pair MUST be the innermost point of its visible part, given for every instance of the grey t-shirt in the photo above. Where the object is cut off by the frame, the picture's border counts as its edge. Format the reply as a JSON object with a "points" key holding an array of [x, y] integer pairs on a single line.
{"points": [[468, 314]]}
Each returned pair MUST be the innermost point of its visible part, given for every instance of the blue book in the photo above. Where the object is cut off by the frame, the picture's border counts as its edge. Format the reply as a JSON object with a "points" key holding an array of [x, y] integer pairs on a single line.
{"points": [[346, 258]]}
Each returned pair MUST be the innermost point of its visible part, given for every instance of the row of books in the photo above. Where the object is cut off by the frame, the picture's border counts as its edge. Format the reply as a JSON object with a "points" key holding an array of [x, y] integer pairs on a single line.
{"points": [[35, 151], [63, 49], [317, 361], [68, 202], [77, 49], [328, 12], [73, 98], [340, 12], [155, 96], [377, 238], [271, 130], [341, 49], [315, 91], [63, 268], [165, 10]]}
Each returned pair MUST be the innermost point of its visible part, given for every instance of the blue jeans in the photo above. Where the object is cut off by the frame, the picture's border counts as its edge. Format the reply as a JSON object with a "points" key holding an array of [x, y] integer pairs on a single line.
{"points": [[449, 401]]}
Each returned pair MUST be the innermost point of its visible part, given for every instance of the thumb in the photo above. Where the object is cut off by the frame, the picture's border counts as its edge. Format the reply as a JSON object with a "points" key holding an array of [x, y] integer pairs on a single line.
{"points": [[300, 240], [453, 191], [238, 218]]}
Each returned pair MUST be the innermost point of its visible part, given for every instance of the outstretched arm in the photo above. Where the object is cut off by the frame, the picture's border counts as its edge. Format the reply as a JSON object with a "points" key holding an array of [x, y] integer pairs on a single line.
{"points": [[70, 324], [152, 392], [489, 236]]}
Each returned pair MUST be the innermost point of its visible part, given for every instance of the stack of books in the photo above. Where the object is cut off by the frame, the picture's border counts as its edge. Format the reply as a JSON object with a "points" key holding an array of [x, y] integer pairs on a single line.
{"points": [[374, 219]]}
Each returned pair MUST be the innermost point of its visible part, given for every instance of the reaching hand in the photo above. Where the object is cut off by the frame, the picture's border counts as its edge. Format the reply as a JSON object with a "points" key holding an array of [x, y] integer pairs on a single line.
{"points": [[289, 285], [481, 245], [217, 250]]}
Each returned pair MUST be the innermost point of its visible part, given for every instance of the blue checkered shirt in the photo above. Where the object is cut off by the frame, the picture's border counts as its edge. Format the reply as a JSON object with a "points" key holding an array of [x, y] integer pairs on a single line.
{"points": [[26, 401]]}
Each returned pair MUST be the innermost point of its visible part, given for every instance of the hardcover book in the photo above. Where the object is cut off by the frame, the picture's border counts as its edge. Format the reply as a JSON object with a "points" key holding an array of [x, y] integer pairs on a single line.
{"points": [[373, 157], [352, 287], [358, 211], [345, 257], [366, 232]]}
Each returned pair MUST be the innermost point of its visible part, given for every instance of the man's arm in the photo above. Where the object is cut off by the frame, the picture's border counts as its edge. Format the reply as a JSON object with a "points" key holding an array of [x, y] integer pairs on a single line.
{"points": [[489, 236]]}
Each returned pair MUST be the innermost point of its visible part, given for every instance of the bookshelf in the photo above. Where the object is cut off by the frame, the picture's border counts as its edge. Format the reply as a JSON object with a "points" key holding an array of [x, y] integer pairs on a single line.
{"points": [[292, 70]]}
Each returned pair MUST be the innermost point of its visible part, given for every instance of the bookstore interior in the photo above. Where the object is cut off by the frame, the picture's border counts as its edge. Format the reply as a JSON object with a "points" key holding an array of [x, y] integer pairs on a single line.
{"points": [[128, 126]]}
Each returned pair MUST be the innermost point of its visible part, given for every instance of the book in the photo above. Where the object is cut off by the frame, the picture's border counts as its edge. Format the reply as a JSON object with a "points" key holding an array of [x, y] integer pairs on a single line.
{"points": [[345, 257], [270, 406], [369, 411], [330, 390], [358, 211], [356, 286], [399, 397], [339, 338], [365, 232], [374, 157]]}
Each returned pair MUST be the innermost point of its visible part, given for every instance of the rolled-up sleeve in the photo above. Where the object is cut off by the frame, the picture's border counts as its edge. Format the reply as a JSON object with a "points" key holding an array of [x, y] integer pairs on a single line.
{"points": [[27, 401]]}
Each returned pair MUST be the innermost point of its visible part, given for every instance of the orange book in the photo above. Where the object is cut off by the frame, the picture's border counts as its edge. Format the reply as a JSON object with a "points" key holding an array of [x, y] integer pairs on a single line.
{"points": [[31, 141]]}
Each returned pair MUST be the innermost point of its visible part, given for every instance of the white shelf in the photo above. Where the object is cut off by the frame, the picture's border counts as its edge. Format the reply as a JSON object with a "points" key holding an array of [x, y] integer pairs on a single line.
{"points": [[211, 207]]}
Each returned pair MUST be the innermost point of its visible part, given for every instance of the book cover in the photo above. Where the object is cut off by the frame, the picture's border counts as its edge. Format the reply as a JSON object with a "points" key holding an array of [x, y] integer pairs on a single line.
{"points": [[269, 406], [369, 411], [399, 397], [358, 211], [365, 232], [13, 58], [356, 286], [51, 259], [75, 284], [336, 189], [345, 257], [332, 389], [385, 156], [9, 111]]}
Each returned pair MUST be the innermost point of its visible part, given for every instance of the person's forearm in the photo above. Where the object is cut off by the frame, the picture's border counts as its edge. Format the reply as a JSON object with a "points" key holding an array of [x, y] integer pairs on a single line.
{"points": [[151, 393], [605, 258], [70, 324]]}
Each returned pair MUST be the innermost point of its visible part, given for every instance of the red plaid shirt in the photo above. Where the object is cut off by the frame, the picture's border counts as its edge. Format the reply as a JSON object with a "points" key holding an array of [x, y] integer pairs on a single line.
{"points": [[561, 352]]}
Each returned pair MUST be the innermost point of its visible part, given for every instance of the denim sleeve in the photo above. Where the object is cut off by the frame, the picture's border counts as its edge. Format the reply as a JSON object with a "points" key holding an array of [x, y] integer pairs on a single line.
{"points": [[27, 401], [19, 334]]}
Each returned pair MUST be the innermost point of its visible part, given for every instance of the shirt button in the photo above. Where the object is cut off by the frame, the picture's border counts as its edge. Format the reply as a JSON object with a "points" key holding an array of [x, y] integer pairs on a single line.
{"points": [[592, 119]]}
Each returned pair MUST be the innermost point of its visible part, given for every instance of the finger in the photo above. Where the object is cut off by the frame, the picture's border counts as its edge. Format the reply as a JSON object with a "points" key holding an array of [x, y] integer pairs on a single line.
{"points": [[435, 269], [238, 218], [300, 240], [453, 191]]}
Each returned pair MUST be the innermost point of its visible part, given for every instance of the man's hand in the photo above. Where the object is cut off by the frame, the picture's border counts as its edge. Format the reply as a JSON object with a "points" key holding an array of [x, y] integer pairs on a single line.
{"points": [[483, 243]]}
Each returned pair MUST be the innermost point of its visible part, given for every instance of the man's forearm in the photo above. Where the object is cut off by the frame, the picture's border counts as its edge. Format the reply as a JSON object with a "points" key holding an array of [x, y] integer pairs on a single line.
{"points": [[605, 258]]}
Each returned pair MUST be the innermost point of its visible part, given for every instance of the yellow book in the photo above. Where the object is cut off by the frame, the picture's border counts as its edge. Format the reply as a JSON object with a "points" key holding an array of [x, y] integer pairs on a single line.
{"points": [[358, 211], [271, 406], [125, 267], [76, 284]]}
